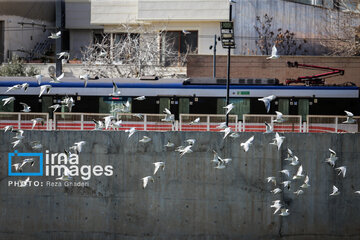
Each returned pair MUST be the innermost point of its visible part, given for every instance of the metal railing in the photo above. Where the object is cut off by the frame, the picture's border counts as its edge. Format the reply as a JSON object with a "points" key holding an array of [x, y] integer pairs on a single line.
{"points": [[76, 121], [256, 123], [20, 120], [208, 122], [154, 122], [84, 121], [332, 124], [145, 122]]}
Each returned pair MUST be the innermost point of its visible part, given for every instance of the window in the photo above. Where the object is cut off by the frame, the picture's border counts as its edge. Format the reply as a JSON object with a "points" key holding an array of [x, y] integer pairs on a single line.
{"points": [[309, 2], [176, 44]]}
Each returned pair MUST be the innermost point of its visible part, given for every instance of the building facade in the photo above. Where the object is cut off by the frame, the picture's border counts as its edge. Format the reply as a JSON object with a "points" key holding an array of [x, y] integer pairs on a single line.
{"points": [[25, 27]]}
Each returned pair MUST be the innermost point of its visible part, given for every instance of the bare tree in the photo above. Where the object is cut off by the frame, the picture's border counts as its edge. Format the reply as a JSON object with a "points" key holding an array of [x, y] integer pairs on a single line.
{"points": [[341, 31], [285, 41], [134, 52]]}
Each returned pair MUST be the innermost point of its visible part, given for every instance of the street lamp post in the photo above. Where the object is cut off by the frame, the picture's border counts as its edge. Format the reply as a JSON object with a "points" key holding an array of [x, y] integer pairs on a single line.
{"points": [[228, 41]]}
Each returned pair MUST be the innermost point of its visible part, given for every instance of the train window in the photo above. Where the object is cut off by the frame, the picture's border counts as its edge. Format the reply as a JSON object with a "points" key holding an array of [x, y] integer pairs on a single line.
{"points": [[146, 106], [204, 106]]}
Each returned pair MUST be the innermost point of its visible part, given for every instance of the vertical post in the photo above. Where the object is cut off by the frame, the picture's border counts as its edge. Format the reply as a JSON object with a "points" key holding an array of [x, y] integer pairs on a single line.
{"points": [[336, 124], [145, 122], [214, 58], [228, 73], [208, 123], [19, 121], [82, 121], [58, 41]]}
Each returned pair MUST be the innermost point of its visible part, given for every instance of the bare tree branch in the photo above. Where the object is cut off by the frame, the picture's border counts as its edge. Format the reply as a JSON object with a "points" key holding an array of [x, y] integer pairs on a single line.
{"points": [[136, 51]]}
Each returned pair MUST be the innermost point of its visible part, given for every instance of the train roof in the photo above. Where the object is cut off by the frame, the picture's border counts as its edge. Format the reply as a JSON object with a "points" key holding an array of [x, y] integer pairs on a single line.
{"points": [[172, 87]]}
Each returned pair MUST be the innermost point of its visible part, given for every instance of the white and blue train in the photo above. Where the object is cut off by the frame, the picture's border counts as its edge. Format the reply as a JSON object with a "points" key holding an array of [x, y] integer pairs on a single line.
{"points": [[206, 96]]}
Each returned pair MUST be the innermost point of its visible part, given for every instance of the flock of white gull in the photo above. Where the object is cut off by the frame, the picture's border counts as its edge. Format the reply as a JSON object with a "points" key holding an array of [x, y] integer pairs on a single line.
{"points": [[110, 122]]}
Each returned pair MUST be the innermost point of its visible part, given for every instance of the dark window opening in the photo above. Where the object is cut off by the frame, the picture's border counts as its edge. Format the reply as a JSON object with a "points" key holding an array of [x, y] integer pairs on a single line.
{"points": [[177, 44]]}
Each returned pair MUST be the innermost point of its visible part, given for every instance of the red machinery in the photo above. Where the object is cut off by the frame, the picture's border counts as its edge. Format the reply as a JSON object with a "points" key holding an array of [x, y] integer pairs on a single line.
{"points": [[318, 79]]}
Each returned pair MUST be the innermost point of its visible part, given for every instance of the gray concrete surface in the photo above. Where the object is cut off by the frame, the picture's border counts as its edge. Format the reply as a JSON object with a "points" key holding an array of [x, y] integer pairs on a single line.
{"points": [[190, 199]]}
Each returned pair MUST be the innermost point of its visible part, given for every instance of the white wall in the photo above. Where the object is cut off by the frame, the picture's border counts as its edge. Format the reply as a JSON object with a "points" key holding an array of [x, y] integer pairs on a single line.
{"points": [[183, 10], [105, 12]]}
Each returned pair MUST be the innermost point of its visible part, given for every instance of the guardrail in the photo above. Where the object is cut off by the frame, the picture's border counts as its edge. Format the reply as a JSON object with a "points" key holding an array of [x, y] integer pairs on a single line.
{"points": [[154, 122], [20, 120], [76, 121], [145, 122], [84, 121], [332, 124], [207, 122], [256, 123]]}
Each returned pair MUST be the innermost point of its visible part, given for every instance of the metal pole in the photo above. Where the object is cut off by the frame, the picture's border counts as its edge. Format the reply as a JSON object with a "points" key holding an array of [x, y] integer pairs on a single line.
{"points": [[214, 58], [228, 73], [58, 41]]}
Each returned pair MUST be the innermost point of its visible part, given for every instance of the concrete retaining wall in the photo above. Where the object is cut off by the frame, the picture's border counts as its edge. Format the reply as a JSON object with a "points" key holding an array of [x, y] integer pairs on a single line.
{"points": [[190, 199]]}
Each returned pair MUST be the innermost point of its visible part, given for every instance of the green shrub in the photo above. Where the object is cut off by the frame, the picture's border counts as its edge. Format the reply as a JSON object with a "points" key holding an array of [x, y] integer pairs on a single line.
{"points": [[17, 68]]}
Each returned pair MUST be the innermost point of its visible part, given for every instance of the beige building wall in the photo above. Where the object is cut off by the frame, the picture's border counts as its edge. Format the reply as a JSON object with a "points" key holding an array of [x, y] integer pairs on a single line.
{"points": [[203, 16], [206, 32], [183, 10], [112, 12]]}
